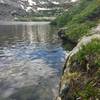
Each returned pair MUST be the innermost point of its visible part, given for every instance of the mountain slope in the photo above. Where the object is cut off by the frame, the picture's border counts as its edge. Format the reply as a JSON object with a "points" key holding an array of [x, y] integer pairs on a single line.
{"points": [[10, 8]]}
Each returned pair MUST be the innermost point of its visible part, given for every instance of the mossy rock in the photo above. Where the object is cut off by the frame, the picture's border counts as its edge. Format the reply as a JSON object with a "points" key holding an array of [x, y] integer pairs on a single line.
{"points": [[82, 71]]}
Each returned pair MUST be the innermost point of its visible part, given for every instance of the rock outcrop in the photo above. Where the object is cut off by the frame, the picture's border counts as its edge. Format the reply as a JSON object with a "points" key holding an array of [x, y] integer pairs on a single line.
{"points": [[81, 75], [8, 12]]}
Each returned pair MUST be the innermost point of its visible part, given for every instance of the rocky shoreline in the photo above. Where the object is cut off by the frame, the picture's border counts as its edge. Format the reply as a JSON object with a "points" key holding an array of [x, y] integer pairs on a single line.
{"points": [[80, 76]]}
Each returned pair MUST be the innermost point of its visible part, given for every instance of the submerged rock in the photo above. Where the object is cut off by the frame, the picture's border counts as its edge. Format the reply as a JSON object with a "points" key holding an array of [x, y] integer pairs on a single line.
{"points": [[81, 76]]}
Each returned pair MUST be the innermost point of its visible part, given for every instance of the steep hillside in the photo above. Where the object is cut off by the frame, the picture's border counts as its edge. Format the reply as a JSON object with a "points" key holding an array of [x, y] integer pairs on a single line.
{"points": [[79, 19], [81, 74]]}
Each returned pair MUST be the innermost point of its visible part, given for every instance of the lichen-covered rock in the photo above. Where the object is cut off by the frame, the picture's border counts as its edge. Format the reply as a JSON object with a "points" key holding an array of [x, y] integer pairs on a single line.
{"points": [[81, 76]]}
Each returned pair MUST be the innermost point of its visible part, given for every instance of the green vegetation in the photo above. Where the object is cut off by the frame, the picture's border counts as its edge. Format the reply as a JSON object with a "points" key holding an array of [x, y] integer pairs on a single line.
{"points": [[89, 92], [27, 18], [89, 58], [90, 52], [84, 73], [79, 19]]}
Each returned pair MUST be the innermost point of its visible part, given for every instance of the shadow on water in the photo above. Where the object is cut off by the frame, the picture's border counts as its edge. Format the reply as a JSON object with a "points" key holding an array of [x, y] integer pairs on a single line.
{"points": [[31, 60]]}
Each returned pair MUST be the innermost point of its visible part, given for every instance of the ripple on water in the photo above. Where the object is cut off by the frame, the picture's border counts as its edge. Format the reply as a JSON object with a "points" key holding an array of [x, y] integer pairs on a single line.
{"points": [[29, 69]]}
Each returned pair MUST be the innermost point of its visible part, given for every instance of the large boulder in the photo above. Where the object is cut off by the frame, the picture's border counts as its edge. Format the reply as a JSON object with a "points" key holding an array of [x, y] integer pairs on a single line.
{"points": [[81, 74]]}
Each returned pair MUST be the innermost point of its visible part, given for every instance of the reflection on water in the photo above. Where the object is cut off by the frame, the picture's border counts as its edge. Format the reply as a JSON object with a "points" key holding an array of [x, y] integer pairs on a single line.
{"points": [[31, 58], [26, 32]]}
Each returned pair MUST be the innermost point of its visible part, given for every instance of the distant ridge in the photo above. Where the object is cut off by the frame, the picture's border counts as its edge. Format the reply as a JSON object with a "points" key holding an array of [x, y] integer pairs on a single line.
{"points": [[8, 8]]}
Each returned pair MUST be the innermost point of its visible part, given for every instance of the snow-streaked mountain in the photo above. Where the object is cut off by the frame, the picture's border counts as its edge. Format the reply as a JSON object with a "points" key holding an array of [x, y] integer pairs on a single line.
{"points": [[8, 8]]}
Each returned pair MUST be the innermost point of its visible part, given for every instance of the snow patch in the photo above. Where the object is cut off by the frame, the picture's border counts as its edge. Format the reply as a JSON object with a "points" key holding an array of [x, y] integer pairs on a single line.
{"points": [[31, 2], [43, 9], [43, 2], [56, 3], [28, 9], [2, 1], [22, 6], [74, 0]]}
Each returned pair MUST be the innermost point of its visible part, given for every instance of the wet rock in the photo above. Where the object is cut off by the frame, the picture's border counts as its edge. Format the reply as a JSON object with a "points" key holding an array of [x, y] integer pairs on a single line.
{"points": [[64, 91], [61, 34]]}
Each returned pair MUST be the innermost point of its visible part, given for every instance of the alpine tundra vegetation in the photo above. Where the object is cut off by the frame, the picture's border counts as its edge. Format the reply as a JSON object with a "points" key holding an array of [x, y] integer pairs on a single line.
{"points": [[80, 19], [80, 78]]}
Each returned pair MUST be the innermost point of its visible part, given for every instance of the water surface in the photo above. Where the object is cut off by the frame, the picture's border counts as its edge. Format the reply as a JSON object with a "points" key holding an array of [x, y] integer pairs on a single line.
{"points": [[31, 59]]}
